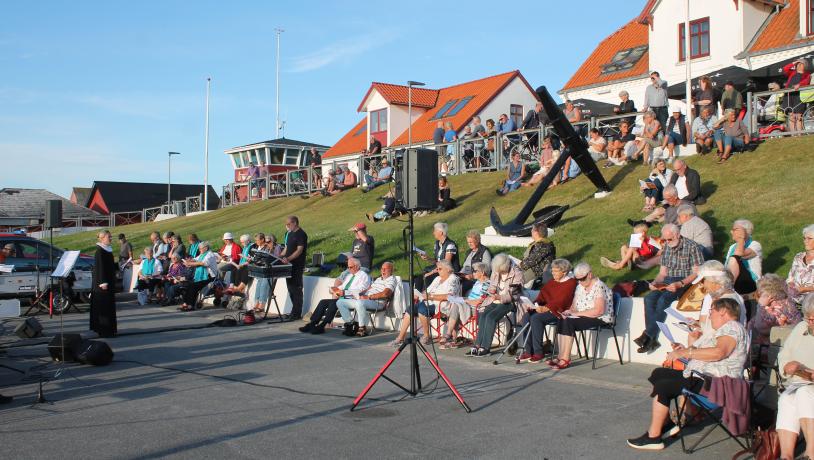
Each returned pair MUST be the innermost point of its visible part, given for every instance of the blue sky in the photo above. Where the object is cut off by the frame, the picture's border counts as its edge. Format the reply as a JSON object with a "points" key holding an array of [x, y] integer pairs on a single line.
{"points": [[102, 90]]}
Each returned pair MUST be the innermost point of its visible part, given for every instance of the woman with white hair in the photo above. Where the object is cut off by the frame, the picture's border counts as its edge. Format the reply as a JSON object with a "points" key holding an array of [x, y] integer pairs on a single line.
{"points": [[444, 285], [801, 274], [506, 281], [775, 308], [205, 268], [592, 306], [795, 406], [717, 284], [744, 259], [103, 284]]}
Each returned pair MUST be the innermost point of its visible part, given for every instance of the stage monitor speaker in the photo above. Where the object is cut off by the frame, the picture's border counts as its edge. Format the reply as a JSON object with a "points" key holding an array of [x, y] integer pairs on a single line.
{"points": [[29, 329], [94, 352], [417, 179], [53, 214], [72, 343]]}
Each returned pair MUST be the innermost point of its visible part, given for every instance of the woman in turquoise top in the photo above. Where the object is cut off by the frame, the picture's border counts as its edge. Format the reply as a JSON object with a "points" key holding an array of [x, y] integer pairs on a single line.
{"points": [[205, 265], [194, 242], [516, 172]]}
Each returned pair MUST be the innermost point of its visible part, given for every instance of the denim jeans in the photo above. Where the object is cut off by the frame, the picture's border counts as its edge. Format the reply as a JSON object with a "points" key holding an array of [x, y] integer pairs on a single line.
{"points": [[487, 323], [736, 143], [655, 304]]}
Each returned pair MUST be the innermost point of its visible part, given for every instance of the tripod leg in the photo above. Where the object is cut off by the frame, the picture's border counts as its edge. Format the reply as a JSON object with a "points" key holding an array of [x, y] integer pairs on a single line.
{"points": [[444, 378], [378, 375], [511, 342]]}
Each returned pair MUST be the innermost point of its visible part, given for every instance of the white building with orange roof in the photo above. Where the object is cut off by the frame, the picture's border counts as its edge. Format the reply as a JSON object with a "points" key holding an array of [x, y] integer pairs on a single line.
{"points": [[748, 40], [386, 115]]}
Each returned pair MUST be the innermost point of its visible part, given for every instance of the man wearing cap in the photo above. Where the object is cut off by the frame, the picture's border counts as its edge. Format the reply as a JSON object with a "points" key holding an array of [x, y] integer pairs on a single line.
{"points": [[680, 261], [375, 179], [349, 284], [677, 129], [731, 99], [296, 245], [363, 246]]}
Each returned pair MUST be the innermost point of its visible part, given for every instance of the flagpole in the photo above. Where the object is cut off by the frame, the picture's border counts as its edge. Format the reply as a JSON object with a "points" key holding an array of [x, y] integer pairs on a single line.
{"points": [[277, 87], [206, 150]]}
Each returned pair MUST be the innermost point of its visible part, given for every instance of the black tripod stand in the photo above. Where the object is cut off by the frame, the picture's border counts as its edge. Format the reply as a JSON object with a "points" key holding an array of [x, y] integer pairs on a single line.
{"points": [[415, 346]]}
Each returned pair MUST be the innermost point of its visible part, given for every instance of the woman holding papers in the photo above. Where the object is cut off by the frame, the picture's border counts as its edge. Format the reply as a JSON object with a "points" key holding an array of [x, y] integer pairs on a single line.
{"points": [[720, 354], [653, 186], [103, 298], [555, 296], [506, 280], [592, 306], [444, 285], [795, 407]]}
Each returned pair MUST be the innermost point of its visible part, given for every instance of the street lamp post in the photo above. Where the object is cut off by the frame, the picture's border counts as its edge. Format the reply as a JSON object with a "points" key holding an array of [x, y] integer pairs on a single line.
{"points": [[410, 84], [169, 177]]}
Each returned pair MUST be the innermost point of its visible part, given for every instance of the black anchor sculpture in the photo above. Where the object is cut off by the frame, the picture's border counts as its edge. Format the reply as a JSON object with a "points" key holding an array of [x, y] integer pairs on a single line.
{"points": [[574, 146]]}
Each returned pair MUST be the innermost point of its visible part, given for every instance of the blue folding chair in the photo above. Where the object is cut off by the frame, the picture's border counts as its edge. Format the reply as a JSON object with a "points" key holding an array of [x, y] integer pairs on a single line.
{"points": [[710, 411]]}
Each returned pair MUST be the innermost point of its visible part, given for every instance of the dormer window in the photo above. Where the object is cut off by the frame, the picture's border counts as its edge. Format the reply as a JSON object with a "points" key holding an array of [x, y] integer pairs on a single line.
{"points": [[699, 39]]}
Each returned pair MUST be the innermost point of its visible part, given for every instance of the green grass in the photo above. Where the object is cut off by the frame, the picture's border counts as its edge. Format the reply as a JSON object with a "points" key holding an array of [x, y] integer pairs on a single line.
{"points": [[768, 186]]}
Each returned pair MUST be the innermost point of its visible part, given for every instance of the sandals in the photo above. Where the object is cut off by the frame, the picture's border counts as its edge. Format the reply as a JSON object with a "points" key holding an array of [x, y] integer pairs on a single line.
{"points": [[363, 332], [558, 363]]}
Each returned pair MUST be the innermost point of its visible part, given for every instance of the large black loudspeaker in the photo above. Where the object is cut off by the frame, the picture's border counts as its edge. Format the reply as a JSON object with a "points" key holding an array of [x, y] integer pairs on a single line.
{"points": [[53, 214], [417, 179], [29, 329], [72, 343], [94, 352]]}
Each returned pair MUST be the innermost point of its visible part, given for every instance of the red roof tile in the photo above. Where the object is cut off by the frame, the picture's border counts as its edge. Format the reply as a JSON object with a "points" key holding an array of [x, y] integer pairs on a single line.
{"points": [[482, 92], [631, 35], [352, 142], [782, 30], [397, 94]]}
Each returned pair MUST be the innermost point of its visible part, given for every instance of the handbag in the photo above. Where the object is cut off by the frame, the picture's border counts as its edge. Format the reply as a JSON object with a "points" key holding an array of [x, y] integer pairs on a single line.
{"points": [[765, 446]]}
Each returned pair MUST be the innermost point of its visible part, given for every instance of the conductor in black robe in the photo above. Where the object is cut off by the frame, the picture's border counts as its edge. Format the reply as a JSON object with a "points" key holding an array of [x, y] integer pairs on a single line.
{"points": [[103, 300]]}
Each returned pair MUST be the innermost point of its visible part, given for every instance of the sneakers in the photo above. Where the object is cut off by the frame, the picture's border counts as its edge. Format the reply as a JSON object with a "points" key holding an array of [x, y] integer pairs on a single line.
{"points": [[645, 442], [536, 359], [478, 352], [524, 358]]}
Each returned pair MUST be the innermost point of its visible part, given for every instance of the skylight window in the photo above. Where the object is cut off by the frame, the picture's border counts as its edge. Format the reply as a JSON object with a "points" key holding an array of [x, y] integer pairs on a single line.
{"points": [[624, 59], [460, 105], [444, 109]]}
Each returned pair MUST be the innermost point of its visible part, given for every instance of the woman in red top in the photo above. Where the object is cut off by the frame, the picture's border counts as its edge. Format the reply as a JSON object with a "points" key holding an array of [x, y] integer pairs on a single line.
{"points": [[646, 251], [797, 76], [554, 297]]}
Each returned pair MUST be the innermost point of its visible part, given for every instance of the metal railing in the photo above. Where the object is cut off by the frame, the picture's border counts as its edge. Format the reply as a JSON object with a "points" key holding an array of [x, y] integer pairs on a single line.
{"points": [[776, 121]]}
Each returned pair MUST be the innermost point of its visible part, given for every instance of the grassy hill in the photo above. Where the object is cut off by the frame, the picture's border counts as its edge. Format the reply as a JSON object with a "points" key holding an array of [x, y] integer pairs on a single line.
{"points": [[769, 186]]}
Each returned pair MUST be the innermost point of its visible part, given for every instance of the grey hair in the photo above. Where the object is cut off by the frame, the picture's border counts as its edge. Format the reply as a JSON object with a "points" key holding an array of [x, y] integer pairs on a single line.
{"points": [[387, 262], [671, 228], [808, 305], [746, 225], [245, 238], [809, 231], [149, 249], [353, 259], [441, 227], [728, 111], [562, 265], [582, 269], [501, 263], [724, 280], [260, 235], [474, 234], [624, 93], [480, 267], [650, 114], [541, 228], [204, 244], [686, 210], [444, 263], [773, 285], [103, 233], [670, 190]]}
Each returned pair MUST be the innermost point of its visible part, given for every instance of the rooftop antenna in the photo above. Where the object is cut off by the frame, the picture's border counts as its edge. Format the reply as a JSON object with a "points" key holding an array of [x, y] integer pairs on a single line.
{"points": [[278, 31]]}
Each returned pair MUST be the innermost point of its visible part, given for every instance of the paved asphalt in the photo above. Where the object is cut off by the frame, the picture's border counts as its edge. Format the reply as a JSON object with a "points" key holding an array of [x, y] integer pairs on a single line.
{"points": [[268, 391]]}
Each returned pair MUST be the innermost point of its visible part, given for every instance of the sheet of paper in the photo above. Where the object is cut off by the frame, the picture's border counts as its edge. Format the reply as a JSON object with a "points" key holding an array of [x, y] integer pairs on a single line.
{"points": [[66, 263], [514, 259], [418, 294], [526, 302], [683, 327], [666, 331], [678, 315], [419, 251], [455, 299], [635, 241]]}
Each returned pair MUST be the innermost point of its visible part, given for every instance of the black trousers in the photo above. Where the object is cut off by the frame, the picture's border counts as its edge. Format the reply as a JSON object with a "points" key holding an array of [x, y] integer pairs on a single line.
{"points": [[668, 383], [294, 285], [324, 313], [191, 294], [568, 326]]}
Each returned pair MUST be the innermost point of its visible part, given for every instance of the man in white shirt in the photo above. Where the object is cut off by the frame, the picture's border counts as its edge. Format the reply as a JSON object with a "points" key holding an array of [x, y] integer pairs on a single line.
{"points": [[371, 300], [349, 284]]}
